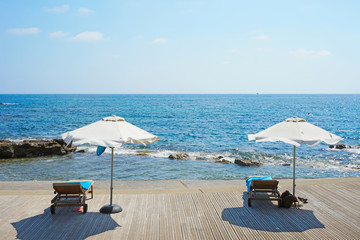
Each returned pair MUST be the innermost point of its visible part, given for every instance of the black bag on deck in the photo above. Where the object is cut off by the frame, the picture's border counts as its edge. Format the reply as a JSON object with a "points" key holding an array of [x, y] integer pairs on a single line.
{"points": [[287, 199]]}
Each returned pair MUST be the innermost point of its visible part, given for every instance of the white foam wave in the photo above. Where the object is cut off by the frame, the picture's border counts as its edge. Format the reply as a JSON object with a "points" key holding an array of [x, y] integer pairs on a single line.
{"points": [[339, 130], [315, 162], [353, 150], [23, 139], [163, 153]]}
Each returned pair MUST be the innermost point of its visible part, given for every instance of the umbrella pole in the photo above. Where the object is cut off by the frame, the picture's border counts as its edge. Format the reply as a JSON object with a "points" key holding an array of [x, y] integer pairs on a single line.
{"points": [[111, 208], [112, 170], [294, 172]]}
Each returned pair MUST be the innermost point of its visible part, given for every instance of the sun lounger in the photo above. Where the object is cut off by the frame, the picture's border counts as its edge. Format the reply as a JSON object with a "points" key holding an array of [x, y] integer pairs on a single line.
{"points": [[264, 190], [71, 193]]}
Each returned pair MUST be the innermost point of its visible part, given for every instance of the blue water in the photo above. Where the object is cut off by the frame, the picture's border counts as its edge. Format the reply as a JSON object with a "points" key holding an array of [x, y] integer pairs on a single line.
{"points": [[204, 126]]}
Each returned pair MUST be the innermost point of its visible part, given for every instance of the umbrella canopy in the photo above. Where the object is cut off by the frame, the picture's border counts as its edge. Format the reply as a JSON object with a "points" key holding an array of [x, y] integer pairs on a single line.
{"points": [[295, 131], [110, 132]]}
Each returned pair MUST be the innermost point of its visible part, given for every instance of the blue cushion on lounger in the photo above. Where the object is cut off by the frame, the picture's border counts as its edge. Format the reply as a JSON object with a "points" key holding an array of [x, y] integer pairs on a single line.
{"points": [[248, 181]]}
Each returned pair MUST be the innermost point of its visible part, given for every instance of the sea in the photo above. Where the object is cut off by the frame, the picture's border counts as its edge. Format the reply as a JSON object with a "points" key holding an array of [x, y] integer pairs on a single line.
{"points": [[205, 127]]}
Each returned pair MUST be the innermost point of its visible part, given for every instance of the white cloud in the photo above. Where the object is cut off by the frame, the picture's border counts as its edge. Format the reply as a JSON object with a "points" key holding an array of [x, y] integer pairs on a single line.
{"points": [[24, 31], [302, 53], [58, 34], [262, 38], [160, 40], [323, 53], [88, 37], [227, 62], [60, 9], [85, 11]]}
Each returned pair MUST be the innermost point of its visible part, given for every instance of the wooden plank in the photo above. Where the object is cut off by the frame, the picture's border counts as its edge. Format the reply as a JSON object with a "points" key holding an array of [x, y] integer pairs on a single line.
{"points": [[183, 218], [226, 231], [231, 214], [175, 213], [238, 201], [132, 224], [210, 218], [333, 209], [212, 215], [203, 227]]}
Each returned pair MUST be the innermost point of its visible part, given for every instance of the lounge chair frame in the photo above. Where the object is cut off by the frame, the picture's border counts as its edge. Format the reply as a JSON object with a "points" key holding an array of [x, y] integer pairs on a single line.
{"points": [[264, 190], [69, 194]]}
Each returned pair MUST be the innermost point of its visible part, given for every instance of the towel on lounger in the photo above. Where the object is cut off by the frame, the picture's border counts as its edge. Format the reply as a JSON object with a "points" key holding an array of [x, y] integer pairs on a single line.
{"points": [[248, 181], [84, 185]]}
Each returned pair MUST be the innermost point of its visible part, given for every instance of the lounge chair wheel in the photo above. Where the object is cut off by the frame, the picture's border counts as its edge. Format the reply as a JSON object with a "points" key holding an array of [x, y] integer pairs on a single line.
{"points": [[249, 202], [85, 208], [52, 209]]}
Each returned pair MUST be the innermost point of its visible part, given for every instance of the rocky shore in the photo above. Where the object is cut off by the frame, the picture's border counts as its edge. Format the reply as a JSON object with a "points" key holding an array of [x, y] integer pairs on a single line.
{"points": [[33, 148], [246, 162], [343, 146]]}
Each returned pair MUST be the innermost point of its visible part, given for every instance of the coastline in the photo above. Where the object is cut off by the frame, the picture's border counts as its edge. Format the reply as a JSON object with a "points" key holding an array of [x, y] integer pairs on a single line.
{"points": [[161, 186]]}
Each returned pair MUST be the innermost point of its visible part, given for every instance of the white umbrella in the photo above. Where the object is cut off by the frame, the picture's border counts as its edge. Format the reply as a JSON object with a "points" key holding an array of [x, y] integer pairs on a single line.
{"points": [[109, 132], [295, 131]]}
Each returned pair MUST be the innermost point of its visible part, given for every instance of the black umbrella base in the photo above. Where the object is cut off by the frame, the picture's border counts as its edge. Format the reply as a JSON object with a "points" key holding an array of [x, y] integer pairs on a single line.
{"points": [[107, 209]]}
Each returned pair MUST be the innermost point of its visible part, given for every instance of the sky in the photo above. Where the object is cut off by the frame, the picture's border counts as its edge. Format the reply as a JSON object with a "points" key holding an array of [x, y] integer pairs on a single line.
{"points": [[179, 47]]}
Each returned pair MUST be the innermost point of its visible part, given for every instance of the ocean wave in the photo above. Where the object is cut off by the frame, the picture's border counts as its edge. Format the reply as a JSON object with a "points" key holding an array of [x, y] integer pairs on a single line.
{"points": [[350, 131], [316, 162], [21, 139], [353, 150], [166, 153]]}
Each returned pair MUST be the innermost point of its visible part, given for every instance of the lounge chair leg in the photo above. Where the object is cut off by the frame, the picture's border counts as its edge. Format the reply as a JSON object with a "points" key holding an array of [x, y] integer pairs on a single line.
{"points": [[85, 208], [249, 202], [52, 209]]}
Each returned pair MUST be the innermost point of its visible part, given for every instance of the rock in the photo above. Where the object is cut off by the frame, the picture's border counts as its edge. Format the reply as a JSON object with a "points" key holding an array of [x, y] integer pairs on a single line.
{"points": [[82, 151], [33, 148], [220, 157], [247, 162], [286, 164], [144, 152], [224, 161], [340, 146], [6, 149], [179, 156]]}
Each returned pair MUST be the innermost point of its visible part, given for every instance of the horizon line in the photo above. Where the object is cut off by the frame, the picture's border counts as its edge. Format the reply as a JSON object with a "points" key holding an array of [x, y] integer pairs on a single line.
{"points": [[179, 93]]}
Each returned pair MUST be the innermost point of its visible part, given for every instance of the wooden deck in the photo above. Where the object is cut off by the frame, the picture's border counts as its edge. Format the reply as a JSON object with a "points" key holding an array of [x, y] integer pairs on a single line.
{"points": [[200, 211]]}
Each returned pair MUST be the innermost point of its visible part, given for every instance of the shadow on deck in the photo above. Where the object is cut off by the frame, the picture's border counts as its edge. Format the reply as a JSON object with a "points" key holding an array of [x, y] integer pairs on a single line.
{"points": [[266, 216], [65, 224]]}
